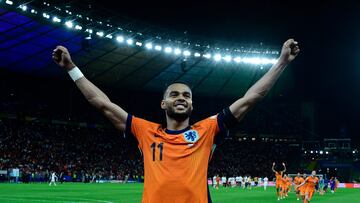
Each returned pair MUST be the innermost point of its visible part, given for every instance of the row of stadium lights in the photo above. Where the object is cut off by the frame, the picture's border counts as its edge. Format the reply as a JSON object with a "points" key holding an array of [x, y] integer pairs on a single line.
{"points": [[322, 152], [316, 152], [266, 139], [217, 57]]}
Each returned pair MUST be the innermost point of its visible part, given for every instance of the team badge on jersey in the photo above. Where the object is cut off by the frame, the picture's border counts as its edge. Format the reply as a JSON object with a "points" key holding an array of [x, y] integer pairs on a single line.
{"points": [[191, 136]]}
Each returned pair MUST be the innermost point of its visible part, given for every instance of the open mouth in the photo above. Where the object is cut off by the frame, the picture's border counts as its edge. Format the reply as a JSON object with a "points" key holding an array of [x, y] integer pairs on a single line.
{"points": [[182, 106]]}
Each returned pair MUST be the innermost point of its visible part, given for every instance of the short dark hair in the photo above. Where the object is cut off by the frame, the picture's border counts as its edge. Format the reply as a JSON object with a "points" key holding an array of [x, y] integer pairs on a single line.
{"points": [[175, 82]]}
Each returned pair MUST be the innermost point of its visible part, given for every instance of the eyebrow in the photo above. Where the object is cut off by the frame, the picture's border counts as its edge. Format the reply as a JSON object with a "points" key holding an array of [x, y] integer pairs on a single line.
{"points": [[178, 92]]}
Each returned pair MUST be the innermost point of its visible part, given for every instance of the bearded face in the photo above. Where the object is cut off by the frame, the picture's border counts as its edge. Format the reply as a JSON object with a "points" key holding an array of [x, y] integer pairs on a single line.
{"points": [[177, 102]]}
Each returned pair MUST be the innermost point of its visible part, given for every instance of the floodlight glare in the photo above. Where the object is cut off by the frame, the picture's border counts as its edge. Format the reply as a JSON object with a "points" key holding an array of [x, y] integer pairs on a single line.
{"points": [[187, 53], [149, 46], [129, 41], [69, 24], [217, 57], [120, 38]]}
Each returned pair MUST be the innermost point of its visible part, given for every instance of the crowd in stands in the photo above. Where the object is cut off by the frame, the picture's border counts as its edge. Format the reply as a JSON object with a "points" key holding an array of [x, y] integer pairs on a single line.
{"points": [[38, 148], [80, 152]]}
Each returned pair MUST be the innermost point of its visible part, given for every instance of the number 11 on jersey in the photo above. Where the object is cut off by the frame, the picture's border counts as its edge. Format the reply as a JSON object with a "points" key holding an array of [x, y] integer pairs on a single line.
{"points": [[153, 147]]}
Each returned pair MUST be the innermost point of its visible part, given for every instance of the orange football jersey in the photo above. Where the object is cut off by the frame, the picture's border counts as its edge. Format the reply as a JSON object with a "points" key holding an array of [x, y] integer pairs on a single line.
{"points": [[175, 162]]}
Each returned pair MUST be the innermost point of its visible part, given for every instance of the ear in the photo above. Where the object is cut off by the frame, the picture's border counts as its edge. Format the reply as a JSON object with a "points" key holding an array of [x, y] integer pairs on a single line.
{"points": [[163, 104]]}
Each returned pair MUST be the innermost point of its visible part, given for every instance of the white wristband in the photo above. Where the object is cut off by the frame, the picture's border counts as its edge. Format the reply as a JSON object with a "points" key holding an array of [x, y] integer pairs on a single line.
{"points": [[75, 73]]}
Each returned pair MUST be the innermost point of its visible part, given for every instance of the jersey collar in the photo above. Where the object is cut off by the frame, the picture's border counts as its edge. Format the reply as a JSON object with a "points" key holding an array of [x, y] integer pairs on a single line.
{"points": [[175, 132]]}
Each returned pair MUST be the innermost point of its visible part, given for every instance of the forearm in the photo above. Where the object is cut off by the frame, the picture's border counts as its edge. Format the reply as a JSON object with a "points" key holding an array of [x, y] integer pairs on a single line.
{"points": [[101, 102], [90, 91], [257, 92], [261, 88]]}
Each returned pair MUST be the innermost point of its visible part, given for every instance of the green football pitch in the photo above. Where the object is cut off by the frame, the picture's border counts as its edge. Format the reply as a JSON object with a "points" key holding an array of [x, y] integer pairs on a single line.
{"points": [[111, 192]]}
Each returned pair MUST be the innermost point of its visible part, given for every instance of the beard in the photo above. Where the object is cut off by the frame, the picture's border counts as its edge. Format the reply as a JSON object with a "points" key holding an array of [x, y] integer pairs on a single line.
{"points": [[170, 112]]}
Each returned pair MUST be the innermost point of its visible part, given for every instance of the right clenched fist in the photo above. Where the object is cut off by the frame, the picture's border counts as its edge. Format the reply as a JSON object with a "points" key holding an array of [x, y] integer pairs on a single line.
{"points": [[61, 56]]}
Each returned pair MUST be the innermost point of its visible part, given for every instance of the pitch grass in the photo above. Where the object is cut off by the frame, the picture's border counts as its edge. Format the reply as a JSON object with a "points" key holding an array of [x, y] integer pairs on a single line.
{"points": [[119, 193]]}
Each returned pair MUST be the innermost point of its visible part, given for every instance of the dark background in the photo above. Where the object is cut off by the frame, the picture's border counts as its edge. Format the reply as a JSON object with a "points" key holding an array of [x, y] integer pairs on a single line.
{"points": [[327, 69]]}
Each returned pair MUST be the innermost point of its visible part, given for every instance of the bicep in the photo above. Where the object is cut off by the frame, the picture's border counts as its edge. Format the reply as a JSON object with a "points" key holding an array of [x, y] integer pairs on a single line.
{"points": [[240, 107], [115, 114]]}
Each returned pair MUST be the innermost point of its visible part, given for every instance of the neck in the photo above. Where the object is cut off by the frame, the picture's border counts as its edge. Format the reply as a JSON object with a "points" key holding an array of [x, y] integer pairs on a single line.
{"points": [[173, 124]]}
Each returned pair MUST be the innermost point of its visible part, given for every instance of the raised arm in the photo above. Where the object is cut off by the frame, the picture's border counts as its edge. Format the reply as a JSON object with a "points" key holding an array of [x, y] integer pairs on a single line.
{"points": [[303, 183], [284, 167], [273, 167], [260, 89], [94, 95]]}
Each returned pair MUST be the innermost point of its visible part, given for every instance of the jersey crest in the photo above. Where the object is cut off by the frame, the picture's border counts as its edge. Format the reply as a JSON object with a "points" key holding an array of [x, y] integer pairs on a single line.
{"points": [[191, 136]]}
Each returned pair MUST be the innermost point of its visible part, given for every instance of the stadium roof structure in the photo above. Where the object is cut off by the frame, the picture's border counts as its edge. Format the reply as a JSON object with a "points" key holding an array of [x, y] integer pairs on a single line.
{"points": [[125, 60]]}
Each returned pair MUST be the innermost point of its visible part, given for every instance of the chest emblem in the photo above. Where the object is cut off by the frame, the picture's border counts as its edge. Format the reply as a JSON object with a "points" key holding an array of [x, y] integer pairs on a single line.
{"points": [[191, 136]]}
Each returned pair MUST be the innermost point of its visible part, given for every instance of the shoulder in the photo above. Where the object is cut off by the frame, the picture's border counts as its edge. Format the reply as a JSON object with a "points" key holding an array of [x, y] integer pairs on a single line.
{"points": [[142, 121]]}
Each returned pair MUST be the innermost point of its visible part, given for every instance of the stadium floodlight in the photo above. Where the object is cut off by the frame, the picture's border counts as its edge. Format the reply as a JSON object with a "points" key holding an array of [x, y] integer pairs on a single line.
{"points": [[311, 151], [109, 36], [305, 152], [321, 152], [196, 54], [168, 50], [69, 24], [89, 31], [33, 11], [177, 51], [326, 152], [100, 34], [353, 152], [45, 15], [138, 44], [187, 53], [217, 57], [23, 7], [228, 58], [237, 59], [129, 41], [120, 39], [316, 151], [253, 60], [78, 27], [158, 47], [9, 2], [56, 19], [149, 46], [207, 55]]}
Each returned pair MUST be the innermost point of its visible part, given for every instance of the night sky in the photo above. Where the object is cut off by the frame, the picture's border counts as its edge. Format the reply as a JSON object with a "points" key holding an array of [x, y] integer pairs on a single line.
{"points": [[327, 69]]}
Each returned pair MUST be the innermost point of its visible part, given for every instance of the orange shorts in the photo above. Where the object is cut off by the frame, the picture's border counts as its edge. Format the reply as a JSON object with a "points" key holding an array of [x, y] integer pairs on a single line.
{"points": [[309, 193], [302, 190], [278, 185]]}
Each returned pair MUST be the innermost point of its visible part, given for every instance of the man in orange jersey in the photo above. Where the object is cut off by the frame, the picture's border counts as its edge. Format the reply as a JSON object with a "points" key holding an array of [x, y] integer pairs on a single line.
{"points": [[217, 182], [283, 187], [279, 180], [297, 181], [176, 155], [310, 182], [288, 185], [303, 188]]}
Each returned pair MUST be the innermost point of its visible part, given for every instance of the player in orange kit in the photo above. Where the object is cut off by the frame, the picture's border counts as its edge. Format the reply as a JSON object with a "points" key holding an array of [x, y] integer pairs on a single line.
{"points": [[217, 182], [288, 185], [279, 180], [310, 182], [297, 181], [176, 155]]}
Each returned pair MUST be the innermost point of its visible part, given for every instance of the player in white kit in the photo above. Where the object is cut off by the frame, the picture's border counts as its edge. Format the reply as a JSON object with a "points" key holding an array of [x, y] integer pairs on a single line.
{"points": [[265, 182], [53, 178]]}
